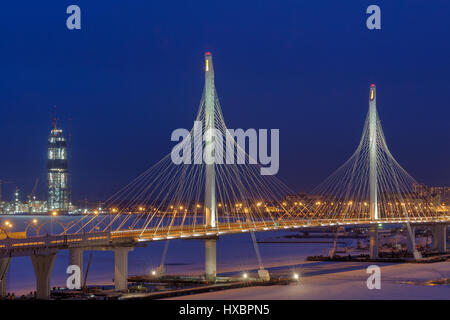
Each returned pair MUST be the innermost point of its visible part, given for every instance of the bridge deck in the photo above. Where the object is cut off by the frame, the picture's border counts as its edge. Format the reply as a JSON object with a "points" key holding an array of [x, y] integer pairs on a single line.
{"points": [[33, 245]]}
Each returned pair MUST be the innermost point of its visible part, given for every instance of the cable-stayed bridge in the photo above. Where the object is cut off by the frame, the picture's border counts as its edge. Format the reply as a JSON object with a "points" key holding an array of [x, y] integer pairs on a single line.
{"points": [[205, 198]]}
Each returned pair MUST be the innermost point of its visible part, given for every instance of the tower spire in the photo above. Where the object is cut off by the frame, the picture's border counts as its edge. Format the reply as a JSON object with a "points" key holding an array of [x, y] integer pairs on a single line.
{"points": [[55, 119]]}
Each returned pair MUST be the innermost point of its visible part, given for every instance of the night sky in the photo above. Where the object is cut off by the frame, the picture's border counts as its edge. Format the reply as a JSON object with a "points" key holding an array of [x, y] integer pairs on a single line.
{"points": [[134, 73]]}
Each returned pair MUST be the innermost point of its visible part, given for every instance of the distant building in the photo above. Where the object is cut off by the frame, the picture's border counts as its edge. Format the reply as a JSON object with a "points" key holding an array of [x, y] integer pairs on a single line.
{"points": [[17, 207], [421, 190], [441, 194], [17, 204], [58, 174]]}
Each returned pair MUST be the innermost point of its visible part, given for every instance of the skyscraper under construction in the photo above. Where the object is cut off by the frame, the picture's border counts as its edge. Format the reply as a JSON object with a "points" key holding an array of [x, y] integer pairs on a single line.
{"points": [[58, 174]]}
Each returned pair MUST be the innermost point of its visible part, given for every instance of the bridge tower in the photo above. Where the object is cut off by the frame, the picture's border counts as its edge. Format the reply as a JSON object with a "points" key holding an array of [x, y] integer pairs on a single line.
{"points": [[373, 182], [210, 174]]}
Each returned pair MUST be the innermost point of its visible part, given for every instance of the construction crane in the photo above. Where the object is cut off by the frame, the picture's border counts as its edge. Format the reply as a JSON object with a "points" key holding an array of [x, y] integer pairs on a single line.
{"points": [[32, 196]]}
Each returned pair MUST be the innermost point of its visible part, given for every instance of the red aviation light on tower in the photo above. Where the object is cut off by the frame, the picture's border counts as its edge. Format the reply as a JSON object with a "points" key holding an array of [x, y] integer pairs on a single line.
{"points": [[372, 92], [207, 57]]}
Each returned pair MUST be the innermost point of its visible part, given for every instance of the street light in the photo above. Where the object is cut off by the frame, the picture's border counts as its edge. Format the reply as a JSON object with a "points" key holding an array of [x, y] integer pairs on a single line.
{"points": [[54, 214]]}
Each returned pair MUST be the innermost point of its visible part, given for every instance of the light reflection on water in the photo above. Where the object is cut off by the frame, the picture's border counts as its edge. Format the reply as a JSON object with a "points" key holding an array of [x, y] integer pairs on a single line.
{"points": [[436, 282]]}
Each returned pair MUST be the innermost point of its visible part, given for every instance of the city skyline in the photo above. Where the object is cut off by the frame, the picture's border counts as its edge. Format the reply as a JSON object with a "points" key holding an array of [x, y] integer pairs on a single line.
{"points": [[121, 114]]}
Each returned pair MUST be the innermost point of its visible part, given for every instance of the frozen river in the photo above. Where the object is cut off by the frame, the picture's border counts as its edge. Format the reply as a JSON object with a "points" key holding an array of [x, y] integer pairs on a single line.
{"points": [[348, 281]]}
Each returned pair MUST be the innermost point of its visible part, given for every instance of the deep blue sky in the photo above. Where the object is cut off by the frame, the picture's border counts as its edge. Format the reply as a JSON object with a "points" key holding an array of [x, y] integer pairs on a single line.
{"points": [[134, 72]]}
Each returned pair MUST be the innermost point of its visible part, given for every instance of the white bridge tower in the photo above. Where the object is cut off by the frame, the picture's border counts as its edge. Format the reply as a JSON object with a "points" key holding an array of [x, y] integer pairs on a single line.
{"points": [[373, 182], [210, 174]]}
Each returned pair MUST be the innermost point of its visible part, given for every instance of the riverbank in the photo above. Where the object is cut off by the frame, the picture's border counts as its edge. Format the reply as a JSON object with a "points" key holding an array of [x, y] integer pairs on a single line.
{"points": [[398, 281]]}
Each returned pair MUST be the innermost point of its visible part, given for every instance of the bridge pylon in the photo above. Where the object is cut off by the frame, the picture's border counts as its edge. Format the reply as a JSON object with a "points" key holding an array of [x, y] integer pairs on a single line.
{"points": [[210, 173], [373, 181], [372, 188]]}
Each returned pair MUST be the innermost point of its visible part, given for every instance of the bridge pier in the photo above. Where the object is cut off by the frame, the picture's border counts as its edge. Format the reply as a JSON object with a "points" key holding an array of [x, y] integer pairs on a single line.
{"points": [[373, 234], [43, 266], [411, 239], [76, 258], [210, 259], [440, 237], [411, 242], [4, 266], [121, 268]]}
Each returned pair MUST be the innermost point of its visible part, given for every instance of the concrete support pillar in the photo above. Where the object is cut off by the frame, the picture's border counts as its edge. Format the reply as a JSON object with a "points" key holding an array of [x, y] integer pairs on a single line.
{"points": [[43, 266], [210, 259], [440, 237], [411, 242], [121, 268], [76, 258], [411, 239], [373, 233], [4, 266]]}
